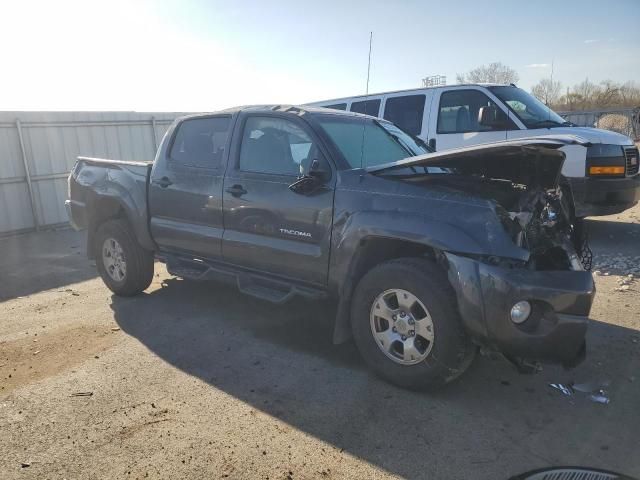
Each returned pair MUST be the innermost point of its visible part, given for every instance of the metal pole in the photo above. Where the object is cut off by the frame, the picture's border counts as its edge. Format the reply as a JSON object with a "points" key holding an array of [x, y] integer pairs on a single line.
{"points": [[155, 138], [28, 176]]}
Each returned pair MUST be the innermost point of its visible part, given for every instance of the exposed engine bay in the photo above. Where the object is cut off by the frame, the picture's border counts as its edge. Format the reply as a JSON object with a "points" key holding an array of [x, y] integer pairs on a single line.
{"points": [[524, 183], [542, 223]]}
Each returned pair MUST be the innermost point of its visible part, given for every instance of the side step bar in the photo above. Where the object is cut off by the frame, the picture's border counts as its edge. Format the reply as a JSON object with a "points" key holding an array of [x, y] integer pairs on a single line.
{"points": [[260, 286]]}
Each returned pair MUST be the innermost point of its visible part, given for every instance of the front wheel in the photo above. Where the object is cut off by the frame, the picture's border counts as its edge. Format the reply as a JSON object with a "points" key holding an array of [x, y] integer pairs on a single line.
{"points": [[407, 327], [125, 267]]}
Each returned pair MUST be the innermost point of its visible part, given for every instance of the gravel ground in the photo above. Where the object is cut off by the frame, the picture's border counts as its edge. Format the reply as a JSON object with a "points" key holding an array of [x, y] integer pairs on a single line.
{"points": [[196, 381]]}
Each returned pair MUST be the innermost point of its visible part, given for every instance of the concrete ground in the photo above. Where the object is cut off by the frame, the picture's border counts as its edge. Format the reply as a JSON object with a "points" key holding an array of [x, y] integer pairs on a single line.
{"points": [[197, 381]]}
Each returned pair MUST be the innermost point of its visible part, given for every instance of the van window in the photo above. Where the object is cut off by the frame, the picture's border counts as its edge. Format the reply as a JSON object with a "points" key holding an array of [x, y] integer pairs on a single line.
{"points": [[406, 112], [336, 106], [200, 142], [368, 107], [458, 112]]}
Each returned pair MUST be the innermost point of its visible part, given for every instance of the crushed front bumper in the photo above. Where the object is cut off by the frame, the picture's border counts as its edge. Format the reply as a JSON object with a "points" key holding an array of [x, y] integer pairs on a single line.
{"points": [[554, 332]]}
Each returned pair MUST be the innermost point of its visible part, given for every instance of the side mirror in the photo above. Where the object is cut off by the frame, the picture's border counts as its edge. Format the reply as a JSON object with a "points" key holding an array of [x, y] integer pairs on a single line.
{"points": [[317, 168], [313, 174], [490, 116]]}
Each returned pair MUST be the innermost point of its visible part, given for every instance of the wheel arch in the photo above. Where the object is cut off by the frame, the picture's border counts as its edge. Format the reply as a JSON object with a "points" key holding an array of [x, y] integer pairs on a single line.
{"points": [[106, 207], [372, 250]]}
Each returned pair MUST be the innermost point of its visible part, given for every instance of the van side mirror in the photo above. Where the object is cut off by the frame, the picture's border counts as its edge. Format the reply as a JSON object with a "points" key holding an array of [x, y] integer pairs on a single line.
{"points": [[490, 116]]}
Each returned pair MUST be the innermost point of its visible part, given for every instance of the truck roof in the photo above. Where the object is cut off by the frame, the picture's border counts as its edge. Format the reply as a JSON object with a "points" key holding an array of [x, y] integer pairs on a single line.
{"points": [[293, 109]]}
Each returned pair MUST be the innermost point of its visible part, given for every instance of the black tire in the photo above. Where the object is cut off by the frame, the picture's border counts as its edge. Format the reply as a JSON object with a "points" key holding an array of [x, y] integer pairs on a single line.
{"points": [[139, 262], [452, 351]]}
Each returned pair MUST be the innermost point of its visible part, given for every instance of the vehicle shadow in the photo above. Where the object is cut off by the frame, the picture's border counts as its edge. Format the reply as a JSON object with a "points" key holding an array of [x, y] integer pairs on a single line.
{"points": [[280, 360], [33, 262]]}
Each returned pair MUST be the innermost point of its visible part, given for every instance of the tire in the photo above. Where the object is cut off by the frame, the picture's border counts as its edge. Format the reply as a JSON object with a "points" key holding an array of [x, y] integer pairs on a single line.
{"points": [[438, 361], [137, 273]]}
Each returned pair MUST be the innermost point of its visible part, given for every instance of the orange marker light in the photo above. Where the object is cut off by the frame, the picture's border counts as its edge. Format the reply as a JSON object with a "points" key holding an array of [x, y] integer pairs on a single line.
{"points": [[606, 170]]}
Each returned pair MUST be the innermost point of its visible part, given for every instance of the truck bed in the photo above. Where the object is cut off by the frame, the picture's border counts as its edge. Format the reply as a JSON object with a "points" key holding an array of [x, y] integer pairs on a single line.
{"points": [[99, 185]]}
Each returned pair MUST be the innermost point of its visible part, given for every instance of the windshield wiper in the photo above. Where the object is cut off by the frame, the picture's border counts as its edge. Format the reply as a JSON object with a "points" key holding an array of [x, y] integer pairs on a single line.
{"points": [[397, 139], [551, 123]]}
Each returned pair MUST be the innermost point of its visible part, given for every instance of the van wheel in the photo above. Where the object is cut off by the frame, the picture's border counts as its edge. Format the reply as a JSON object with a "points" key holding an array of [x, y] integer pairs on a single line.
{"points": [[125, 267], [407, 327]]}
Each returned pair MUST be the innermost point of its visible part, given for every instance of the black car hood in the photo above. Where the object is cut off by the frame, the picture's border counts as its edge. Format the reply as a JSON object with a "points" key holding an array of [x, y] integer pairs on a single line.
{"points": [[535, 162]]}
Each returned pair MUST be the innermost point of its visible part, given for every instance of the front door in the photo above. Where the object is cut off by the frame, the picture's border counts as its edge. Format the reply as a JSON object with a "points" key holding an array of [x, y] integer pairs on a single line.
{"points": [[269, 227], [185, 194], [455, 121]]}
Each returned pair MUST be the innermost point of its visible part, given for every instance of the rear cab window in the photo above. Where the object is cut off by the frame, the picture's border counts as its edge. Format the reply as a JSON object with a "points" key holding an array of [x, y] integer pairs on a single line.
{"points": [[200, 142]]}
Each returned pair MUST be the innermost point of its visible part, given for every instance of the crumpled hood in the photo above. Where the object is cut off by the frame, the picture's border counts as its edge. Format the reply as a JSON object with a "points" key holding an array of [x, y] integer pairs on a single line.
{"points": [[535, 162]]}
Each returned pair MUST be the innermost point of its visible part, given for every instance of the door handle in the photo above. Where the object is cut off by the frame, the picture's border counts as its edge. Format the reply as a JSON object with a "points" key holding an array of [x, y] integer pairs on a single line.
{"points": [[236, 190], [164, 182]]}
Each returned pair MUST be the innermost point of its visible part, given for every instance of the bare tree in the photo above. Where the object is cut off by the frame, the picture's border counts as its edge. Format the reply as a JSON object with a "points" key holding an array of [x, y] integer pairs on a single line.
{"points": [[607, 94], [630, 94], [495, 72], [548, 91]]}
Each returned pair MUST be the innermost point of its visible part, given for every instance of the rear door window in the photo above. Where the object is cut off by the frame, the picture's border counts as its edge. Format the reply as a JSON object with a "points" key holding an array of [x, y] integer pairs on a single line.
{"points": [[200, 142], [368, 107], [406, 112]]}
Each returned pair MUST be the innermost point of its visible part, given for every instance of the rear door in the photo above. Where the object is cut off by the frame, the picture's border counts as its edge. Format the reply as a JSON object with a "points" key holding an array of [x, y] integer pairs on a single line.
{"points": [[454, 121], [410, 112], [268, 227], [185, 195]]}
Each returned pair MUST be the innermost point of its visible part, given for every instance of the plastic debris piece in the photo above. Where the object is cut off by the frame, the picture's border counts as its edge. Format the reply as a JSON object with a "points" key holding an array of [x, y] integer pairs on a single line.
{"points": [[81, 394], [565, 389], [595, 390], [115, 329], [600, 397]]}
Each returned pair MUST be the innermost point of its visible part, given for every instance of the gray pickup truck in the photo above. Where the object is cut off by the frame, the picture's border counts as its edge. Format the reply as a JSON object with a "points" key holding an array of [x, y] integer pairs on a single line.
{"points": [[428, 256]]}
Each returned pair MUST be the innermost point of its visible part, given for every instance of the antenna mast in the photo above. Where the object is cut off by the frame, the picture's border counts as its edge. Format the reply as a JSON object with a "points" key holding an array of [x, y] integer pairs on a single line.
{"points": [[369, 63]]}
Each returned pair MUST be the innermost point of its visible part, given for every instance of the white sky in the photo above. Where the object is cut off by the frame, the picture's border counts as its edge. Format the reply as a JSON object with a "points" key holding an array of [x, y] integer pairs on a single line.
{"points": [[196, 55]]}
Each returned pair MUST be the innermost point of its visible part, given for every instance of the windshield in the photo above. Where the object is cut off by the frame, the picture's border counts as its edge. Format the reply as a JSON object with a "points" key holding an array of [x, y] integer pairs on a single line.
{"points": [[531, 111], [365, 142]]}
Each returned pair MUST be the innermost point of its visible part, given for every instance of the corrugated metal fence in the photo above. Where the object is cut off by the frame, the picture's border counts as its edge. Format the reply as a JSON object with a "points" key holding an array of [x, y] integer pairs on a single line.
{"points": [[38, 149]]}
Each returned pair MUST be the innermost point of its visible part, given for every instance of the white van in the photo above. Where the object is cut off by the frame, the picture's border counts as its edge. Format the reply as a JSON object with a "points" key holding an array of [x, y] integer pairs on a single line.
{"points": [[602, 178]]}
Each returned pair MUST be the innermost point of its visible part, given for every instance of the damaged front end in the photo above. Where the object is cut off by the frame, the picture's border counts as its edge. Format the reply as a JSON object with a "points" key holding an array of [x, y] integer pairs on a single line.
{"points": [[531, 307]]}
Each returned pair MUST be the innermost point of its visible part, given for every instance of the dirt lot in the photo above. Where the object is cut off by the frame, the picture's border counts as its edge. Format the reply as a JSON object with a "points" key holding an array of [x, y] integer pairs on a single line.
{"points": [[197, 381]]}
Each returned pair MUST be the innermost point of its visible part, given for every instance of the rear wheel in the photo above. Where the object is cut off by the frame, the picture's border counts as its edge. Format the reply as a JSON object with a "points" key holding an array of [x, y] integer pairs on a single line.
{"points": [[407, 327], [125, 267]]}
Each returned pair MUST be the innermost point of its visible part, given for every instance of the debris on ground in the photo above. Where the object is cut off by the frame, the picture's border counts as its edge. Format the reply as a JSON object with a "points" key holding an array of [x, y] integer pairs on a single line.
{"points": [[595, 391], [624, 283], [115, 329], [81, 394], [565, 389], [25, 464]]}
